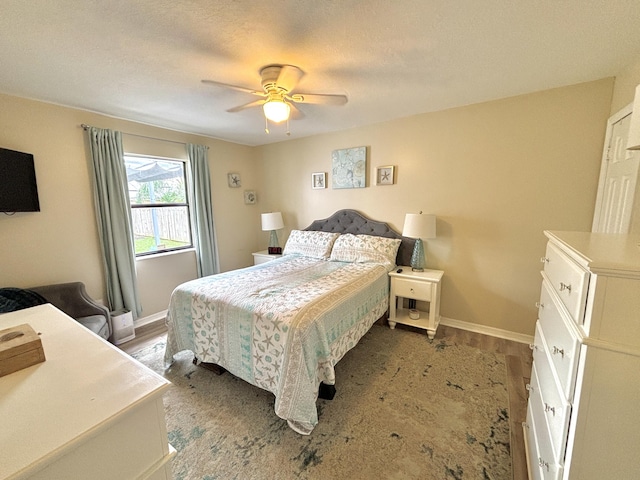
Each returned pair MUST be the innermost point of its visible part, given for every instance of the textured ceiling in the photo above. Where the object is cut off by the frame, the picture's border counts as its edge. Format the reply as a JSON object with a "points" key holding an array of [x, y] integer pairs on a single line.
{"points": [[143, 60]]}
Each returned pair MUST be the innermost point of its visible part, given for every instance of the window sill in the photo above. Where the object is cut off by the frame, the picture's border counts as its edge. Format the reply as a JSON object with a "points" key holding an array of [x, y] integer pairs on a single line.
{"points": [[164, 254]]}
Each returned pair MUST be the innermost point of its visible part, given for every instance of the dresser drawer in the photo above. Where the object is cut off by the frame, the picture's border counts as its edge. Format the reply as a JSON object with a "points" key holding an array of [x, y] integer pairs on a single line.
{"points": [[568, 279], [561, 345], [555, 408], [411, 289], [543, 466]]}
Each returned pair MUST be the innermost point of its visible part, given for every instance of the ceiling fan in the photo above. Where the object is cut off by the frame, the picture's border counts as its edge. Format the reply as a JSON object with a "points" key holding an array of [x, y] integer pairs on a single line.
{"points": [[278, 101]]}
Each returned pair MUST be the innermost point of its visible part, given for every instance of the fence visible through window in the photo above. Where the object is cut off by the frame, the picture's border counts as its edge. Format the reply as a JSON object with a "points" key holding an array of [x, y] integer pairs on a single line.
{"points": [[159, 204]]}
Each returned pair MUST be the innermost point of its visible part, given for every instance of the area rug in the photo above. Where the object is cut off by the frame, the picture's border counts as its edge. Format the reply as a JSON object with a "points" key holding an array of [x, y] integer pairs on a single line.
{"points": [[405, 408]]}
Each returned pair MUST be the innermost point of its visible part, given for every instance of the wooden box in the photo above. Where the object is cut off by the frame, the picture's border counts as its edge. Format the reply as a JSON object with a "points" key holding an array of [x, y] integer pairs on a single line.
{"points": [[20, 347]]}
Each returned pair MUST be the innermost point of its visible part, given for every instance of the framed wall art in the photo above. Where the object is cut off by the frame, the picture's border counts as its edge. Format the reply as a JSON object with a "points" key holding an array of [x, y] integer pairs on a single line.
{"points": [[385, 175], [349, 168], [319, 180], [233, 179], [250, 197]]}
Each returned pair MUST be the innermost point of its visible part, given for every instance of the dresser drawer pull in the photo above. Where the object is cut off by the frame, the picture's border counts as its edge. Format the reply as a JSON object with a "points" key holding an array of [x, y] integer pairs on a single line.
{"points": [[565, 286], [544, 260], [533, 346], [539, 305], [557, 351], [548, 408], [543, 464], [528, 387]]}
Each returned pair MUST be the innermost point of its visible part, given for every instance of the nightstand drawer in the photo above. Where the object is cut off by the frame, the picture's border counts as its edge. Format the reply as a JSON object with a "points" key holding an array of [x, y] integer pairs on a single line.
{"points": [[411, 289]]}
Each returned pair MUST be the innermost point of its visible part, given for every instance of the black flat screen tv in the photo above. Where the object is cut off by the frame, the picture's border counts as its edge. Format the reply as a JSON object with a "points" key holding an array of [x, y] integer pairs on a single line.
{"points": [[18, 188]]}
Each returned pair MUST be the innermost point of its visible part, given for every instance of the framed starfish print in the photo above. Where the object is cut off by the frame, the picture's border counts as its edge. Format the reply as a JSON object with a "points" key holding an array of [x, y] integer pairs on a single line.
{"points": [[384, 175]]}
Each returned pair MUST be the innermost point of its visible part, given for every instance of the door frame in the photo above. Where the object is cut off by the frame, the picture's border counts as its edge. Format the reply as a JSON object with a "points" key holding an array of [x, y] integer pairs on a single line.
{"points": [[604, 165]]}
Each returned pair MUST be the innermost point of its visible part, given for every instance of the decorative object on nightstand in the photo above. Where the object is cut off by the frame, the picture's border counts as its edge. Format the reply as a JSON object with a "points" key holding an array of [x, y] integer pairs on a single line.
{"points": [[273, 221], [423, 286], [419, 226]]}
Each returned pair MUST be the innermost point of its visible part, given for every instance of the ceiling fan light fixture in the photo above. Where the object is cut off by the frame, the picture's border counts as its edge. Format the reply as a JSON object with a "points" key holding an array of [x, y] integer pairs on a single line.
{"points": [[276, 110]]}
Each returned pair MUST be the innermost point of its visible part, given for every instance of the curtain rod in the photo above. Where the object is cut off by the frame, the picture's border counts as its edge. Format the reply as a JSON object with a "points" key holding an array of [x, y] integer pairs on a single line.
{"points": [[86, 127]]}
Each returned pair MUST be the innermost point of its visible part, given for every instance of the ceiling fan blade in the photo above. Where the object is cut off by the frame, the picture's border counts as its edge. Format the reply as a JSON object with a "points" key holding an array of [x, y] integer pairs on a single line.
{"points": [[296, 113], [255, 103], [319, 98], [234, 87], [289, 77]]}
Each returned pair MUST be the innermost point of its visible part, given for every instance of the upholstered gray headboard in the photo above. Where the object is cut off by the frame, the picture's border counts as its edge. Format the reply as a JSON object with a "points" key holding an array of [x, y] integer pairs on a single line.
{"points": [[351, 221]]}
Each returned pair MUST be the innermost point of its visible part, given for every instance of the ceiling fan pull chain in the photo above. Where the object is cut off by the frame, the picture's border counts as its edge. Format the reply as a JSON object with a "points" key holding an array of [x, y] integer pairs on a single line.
{"points": [[288, 132], [266, 125]]}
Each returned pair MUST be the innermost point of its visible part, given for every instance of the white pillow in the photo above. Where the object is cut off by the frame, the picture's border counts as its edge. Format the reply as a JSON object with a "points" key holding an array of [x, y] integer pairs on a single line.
{"points": [[365, 249], [310, 243]]}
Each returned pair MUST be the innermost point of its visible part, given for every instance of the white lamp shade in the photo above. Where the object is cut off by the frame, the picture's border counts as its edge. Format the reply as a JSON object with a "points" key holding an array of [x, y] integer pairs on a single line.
{"points": [[418, 225], [633, 143], [272, 221], [275, 110]]}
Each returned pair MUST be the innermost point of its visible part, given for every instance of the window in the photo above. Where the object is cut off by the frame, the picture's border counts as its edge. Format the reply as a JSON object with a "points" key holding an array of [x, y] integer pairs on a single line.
{"points": [[159, 204]]}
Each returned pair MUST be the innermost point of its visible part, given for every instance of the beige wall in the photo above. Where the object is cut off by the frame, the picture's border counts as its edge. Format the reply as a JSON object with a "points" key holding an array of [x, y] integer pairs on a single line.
{"points": [[625, 86], [60, 243], [496, 175]]}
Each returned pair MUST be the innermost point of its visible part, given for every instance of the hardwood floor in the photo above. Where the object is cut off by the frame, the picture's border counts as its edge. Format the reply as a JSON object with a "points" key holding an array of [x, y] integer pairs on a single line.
{"points": [[517, 355], [518, 358]]}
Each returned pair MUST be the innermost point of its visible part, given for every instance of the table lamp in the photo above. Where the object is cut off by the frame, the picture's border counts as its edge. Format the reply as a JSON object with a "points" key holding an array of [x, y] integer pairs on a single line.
{"points": [[273, 221], [419, 226]]}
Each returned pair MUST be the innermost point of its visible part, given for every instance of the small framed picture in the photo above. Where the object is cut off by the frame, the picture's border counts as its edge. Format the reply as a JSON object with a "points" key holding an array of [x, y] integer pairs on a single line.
{"points": [[319, 180], [233, 180], [385, 175], [250, 197]]}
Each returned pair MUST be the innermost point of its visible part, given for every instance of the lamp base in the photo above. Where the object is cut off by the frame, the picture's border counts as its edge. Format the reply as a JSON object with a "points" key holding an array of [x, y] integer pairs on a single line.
{"points": [[274, 246], [417, 257]]}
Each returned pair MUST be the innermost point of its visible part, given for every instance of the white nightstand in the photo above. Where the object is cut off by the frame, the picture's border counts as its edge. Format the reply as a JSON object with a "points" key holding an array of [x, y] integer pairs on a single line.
{"points": [[264, 256], [423, 286]]}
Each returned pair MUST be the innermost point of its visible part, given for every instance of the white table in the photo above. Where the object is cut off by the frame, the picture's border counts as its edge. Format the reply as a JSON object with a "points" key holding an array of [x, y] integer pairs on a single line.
{"points": [[424, 286], [88, 411], [264, 256]]}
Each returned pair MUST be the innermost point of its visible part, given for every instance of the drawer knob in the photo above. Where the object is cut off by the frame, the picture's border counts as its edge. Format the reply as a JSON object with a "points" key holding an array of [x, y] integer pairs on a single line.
{"points": [[565, 286], [543, 464], [528, 387], [558, 351], [533, 346], [544, 260], [548, 408], [539, 305]]}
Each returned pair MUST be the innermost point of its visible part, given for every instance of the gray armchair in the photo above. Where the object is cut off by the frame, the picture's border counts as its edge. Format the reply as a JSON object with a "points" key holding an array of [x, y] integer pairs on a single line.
{"points": [[73, 299]]}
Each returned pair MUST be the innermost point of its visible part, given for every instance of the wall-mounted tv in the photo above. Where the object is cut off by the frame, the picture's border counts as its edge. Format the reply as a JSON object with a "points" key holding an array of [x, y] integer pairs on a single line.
{"points": [[18, 189]]}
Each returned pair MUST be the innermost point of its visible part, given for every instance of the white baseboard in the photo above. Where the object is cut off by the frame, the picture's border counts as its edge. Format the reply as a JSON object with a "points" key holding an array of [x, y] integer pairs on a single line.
{"points": [[494, 332], [450, 322], [150, 319]]}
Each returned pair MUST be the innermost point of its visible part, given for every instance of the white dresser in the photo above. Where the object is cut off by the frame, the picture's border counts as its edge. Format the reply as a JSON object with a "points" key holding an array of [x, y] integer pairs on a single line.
{"points": [[88, 412], [583, 416]]}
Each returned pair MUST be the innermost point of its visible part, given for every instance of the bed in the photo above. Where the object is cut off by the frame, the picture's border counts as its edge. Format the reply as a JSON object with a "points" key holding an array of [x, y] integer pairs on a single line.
{"points": [[283, 325]]}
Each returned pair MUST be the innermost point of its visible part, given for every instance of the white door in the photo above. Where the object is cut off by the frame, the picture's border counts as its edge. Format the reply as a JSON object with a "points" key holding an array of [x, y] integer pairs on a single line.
{"points": [[618, 177]]}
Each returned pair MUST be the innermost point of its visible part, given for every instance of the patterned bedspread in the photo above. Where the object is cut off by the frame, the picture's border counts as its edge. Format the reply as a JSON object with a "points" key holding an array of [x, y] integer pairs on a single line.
{"points": [[281, 325]]}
